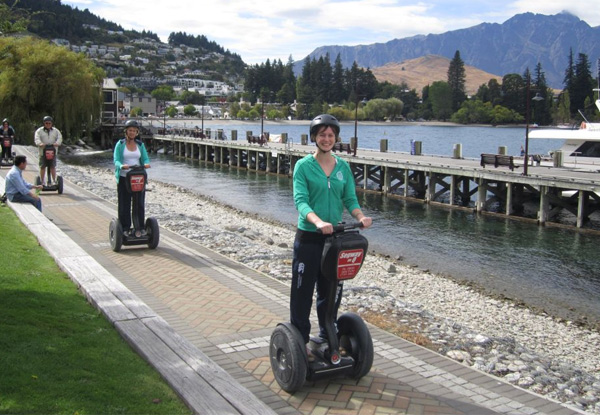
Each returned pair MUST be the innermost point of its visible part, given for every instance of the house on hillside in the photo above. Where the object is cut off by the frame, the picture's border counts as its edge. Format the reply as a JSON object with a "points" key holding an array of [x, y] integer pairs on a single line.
{"points": [[110, 107]]}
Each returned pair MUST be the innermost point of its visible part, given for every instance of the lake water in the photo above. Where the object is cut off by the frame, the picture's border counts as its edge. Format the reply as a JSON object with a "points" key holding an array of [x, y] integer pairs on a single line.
{"points": [[549, 268]]}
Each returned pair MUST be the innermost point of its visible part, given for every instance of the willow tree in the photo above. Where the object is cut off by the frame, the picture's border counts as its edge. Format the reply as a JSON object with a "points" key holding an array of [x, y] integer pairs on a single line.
{"points": [[38, 78]]}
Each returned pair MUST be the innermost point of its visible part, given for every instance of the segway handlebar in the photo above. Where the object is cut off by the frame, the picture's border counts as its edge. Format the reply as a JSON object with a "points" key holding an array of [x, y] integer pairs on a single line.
{"points": [[343, 227]]}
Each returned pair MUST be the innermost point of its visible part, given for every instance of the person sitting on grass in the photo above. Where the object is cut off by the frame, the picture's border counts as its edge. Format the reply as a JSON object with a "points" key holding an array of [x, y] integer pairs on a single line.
{"points": [[17, 189]]}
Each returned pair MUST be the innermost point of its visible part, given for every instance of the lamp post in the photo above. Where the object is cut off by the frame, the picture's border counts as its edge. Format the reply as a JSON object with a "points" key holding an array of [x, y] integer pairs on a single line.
{"points": [[537, 97], [165, 117], [202, 115], [356, 122], [262, 117]]}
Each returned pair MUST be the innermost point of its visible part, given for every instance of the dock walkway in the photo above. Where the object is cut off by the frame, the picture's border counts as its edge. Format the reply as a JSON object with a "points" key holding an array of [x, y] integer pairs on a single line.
{"points": [[204, 322]]}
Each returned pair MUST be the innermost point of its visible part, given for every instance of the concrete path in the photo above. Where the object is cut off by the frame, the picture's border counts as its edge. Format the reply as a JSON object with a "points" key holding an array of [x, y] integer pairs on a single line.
{"points": [[204, 322]]}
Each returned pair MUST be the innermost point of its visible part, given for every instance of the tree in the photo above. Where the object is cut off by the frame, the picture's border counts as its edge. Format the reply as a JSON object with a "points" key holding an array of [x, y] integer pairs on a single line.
{"points": [[440, 97], [38, 78], [583, 84], [12, 19], [513, 90], [171, 111], [562, 112], [542, 110], [456, 81], [163, 93], [189, 110]]}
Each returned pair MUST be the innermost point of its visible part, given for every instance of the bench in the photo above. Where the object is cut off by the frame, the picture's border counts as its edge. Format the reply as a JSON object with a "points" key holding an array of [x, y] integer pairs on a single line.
{"points": [[339, 146], [254, 139], [498, 160]]}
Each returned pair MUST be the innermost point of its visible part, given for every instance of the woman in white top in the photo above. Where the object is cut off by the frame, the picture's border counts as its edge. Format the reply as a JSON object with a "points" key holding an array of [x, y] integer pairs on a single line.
{"points": [[129, 151]]}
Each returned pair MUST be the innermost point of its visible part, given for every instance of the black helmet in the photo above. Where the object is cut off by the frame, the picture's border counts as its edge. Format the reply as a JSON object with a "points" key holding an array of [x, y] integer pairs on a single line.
{"points": [[48, 118], [5, 121], [324, 119], [132, 123]]}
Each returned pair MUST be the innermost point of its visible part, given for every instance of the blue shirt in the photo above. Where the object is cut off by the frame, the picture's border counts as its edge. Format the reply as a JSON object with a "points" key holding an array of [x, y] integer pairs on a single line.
{"points": [[14, 183]]}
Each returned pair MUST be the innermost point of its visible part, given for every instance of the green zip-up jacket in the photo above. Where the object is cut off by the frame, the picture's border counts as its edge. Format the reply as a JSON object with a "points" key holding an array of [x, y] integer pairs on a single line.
{"points": [[325, 196]]}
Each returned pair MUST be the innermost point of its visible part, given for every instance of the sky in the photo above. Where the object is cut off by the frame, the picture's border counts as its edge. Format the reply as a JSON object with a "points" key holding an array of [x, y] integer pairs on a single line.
{"points": [[258, 30]]}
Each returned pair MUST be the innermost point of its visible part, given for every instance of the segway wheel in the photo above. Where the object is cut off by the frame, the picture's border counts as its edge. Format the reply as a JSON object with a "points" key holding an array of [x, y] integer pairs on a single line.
{"points": [[153, 232], [355, 338], [115, 233], [288, 358], [59, 184], [38, 180]]}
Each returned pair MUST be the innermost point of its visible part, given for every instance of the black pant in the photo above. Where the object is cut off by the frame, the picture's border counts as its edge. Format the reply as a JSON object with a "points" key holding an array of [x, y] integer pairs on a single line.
{"points": [[125, 205], [6, 151], [306, 273]]}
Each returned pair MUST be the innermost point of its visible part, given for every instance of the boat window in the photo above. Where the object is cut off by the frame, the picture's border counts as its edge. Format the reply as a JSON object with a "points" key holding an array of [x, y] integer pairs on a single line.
{"points": [[588, 149]]}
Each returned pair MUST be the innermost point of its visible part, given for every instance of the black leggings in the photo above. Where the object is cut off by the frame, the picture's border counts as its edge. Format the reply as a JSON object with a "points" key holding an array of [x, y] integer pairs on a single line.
{"points": [[125, 205]]}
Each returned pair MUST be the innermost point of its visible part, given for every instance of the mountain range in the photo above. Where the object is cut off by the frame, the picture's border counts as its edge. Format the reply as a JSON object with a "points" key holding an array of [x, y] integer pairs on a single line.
{"points": [[511, 47]]}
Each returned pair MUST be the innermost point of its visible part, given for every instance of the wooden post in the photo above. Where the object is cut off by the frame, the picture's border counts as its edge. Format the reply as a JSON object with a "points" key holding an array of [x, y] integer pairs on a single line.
{"points": [[544, 205], [509, 199]]}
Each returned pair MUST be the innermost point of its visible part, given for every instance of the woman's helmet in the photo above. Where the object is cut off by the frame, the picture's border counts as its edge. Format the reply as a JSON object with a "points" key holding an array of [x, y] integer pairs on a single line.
{"points": [[324, 119], [132, 123], [48, 118], [5, 121]]}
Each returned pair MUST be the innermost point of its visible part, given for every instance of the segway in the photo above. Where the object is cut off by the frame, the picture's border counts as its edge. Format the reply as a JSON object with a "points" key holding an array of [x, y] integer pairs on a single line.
{"points": [[9, 161], [148, 234], [49, 154], [347, 351]]}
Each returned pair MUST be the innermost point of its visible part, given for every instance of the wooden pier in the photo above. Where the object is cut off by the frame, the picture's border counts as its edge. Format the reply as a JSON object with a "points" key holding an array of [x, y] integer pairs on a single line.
{"points": [[544, 194]]}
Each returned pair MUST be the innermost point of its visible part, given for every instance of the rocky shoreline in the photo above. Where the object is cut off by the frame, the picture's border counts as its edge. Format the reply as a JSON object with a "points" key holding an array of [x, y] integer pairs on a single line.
{"points": [[549, 356]]}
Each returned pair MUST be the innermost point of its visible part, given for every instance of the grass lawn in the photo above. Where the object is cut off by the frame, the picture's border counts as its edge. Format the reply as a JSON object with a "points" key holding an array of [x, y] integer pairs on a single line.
{"points": [[58, 355]]}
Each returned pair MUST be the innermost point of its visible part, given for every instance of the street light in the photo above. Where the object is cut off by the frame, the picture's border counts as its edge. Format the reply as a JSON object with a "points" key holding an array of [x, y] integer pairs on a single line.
{"points": [[537, 97], [364, 101], [202, 115], [165, 117]]}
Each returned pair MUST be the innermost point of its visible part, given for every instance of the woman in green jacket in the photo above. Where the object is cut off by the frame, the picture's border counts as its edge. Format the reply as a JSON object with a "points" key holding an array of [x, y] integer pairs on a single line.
{"points": [[323, 187]]}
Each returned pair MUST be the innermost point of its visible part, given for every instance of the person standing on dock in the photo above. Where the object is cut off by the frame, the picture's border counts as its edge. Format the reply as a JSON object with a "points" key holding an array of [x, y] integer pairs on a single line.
{"points": [[323, 186]]}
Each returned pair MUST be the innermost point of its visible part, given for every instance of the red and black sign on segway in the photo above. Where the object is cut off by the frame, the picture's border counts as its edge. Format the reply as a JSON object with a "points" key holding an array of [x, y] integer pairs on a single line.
{"points": [[136, 180]]}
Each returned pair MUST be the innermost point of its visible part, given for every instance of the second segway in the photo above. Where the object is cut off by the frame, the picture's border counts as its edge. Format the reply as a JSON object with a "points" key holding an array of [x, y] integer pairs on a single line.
{"points": [[142, 233], [49, 155], [348, 351]]}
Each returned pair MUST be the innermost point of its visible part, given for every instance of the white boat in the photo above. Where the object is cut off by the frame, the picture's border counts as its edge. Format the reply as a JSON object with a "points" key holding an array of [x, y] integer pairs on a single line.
{"points": [[581, 147]]}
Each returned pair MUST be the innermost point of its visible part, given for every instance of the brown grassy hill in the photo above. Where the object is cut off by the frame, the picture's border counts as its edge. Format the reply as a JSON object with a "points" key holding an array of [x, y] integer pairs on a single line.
{"points": [[422, 71]]}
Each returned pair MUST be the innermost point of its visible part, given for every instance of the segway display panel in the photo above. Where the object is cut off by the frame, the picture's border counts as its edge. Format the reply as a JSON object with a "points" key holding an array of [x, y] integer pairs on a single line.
{"points": [[343, 255], [49, 153], [136, 180]]}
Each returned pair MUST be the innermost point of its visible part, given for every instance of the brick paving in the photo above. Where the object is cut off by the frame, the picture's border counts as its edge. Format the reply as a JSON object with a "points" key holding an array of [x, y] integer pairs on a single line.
{"points": [[228, 311]]}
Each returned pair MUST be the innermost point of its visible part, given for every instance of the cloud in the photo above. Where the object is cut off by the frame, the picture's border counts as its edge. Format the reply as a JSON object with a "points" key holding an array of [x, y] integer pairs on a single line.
{"points": [[258, 30]]}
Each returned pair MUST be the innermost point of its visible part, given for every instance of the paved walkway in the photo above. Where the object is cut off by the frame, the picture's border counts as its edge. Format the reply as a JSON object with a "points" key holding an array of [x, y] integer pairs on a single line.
{"points": [[224, 313]]}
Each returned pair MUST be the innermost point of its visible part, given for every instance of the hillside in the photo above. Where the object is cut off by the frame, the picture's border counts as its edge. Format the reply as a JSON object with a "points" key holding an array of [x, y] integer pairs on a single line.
{"points": [[511, 47], [129, 53], [422, 71]]}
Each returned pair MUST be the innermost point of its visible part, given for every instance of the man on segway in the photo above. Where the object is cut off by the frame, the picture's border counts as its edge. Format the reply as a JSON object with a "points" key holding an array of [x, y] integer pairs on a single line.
{"points": [[7, 135], [130, 151], [48, 135]]}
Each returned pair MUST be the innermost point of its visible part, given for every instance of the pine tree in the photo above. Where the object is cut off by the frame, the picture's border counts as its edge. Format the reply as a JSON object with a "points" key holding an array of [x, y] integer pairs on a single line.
{"points": [[583, 84], [542, 110], [456, 81]]}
